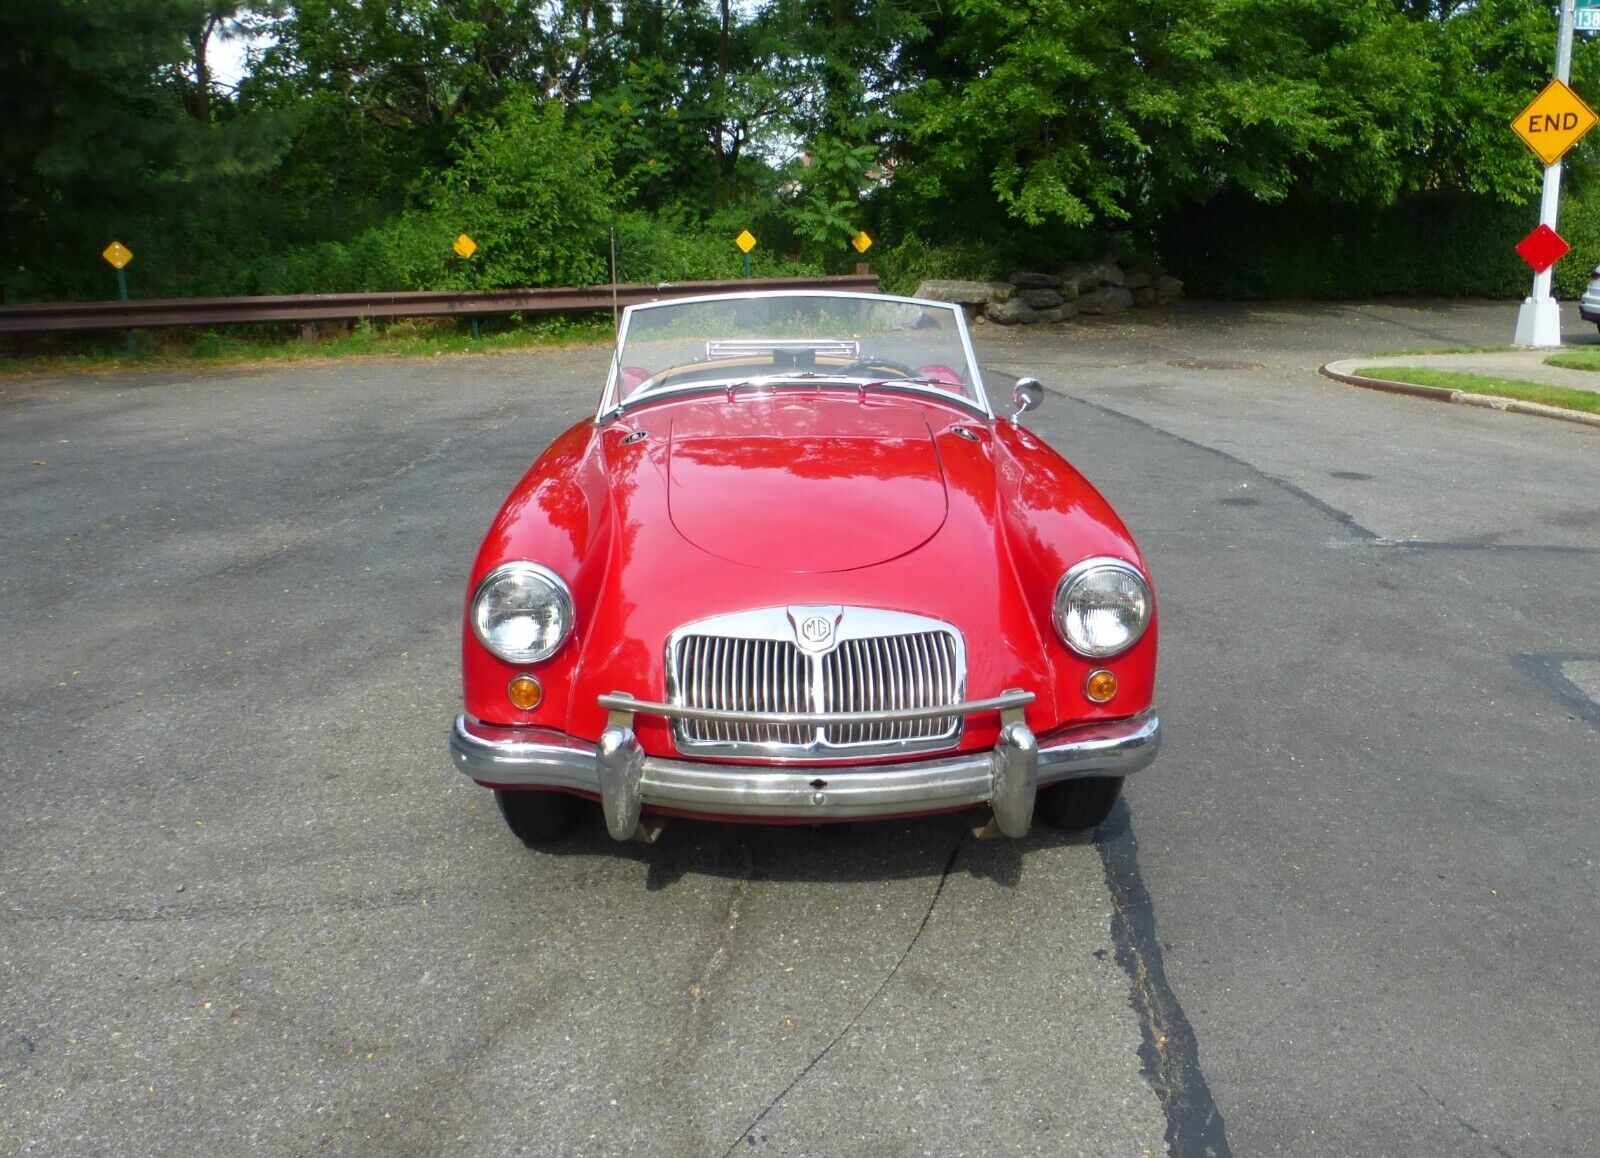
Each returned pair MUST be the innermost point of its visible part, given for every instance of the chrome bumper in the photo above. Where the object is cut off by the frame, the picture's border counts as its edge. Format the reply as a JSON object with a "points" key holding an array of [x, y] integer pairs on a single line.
{"points": [[626, 780]]}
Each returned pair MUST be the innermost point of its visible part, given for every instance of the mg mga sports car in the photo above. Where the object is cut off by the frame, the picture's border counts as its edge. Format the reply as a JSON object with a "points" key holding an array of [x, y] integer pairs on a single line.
{"points": [[797, 570]]}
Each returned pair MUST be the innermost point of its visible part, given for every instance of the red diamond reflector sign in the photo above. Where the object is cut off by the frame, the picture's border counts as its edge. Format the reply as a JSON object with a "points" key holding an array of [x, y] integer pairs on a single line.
{"points": [[1542, 248]]}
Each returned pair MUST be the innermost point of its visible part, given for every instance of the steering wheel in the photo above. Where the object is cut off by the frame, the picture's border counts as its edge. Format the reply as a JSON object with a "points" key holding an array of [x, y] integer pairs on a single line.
{"points": [[890, 363]]}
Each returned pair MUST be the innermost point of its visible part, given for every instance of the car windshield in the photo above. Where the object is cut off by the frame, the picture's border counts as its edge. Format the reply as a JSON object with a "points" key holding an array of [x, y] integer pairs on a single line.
{"points": [[796, 338]]}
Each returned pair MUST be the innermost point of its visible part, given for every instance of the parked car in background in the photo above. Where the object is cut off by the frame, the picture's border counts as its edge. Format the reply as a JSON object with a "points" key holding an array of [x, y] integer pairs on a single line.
{"points": [[1589, 303], [796, 569]]}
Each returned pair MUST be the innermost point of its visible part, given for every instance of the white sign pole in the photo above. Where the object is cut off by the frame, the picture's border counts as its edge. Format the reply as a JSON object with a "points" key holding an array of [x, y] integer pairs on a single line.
{"points": [[1539, 317]]}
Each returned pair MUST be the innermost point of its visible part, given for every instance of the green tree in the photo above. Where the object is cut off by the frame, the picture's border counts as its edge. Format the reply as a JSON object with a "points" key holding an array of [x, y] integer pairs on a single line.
{"points": [[1082, 111], [534, 192], [114, 126]]}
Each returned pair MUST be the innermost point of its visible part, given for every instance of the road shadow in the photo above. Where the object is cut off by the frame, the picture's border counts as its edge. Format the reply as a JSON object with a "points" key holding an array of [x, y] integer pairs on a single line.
{"points": [[847, 853]]}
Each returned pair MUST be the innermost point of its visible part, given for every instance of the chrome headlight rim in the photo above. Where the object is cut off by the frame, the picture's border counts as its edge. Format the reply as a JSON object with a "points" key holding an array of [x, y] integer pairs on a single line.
{"points": [[1075, 575], [527, 569]]}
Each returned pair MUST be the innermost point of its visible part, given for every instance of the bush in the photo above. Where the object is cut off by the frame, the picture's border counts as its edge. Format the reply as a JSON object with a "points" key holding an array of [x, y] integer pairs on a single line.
{"points": [[903, 265], [534, 192], [673, 247], [1436, 244]]}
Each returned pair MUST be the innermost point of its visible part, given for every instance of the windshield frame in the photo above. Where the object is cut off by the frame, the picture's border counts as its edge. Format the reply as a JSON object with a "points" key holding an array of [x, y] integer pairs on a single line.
{"points": [[611, 405]]}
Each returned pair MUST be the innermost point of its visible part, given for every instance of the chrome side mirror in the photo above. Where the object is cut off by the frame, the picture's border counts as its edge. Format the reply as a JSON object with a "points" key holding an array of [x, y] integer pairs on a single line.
{"points": [[1026, 395]]}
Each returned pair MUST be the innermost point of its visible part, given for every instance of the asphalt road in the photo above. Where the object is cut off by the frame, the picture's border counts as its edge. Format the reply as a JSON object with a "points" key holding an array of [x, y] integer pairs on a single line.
{"points": [[245, 904]]}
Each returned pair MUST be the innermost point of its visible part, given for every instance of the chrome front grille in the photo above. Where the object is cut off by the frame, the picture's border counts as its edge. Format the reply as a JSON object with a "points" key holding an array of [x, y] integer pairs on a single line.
{"points": [[876, 661], [743, 675], [887, 672]]}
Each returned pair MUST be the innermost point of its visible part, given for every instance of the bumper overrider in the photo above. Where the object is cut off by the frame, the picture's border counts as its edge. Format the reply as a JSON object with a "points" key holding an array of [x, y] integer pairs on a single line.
{"points": [[625, 779]]}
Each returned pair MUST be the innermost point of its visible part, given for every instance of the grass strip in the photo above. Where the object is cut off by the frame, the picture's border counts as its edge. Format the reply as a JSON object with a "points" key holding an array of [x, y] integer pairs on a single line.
{"points": [[179, 348], [1412, 353], [1562, 396], [1575, 360]]}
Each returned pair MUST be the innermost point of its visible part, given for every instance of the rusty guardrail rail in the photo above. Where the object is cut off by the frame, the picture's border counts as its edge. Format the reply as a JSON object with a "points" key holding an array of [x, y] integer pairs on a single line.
{"points": [[119, 315]]}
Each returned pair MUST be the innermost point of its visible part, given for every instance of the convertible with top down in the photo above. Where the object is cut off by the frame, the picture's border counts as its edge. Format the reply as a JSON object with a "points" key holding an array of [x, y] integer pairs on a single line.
{"points": [[796, 569]]}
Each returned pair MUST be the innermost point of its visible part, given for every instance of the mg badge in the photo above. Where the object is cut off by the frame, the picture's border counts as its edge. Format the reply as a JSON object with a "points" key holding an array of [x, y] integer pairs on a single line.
{"points": [[814, 627], [816, 630]]}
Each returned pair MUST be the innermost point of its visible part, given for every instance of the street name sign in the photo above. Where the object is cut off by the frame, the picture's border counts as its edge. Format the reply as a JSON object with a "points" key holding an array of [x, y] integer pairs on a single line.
{"points": [[1554, 121]]}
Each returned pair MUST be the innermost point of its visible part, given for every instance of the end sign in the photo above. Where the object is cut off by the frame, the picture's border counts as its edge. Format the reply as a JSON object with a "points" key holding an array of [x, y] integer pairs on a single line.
{"points": [[1554, 121]]}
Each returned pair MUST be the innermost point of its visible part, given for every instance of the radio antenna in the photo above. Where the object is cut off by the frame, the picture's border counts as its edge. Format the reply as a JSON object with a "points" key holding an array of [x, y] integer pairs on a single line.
{"points": [[613, 277]]}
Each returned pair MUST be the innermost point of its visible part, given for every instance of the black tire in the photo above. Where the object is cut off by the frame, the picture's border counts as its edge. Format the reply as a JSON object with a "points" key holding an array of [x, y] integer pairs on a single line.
{"points": [[537, 818], [1075, 805]]}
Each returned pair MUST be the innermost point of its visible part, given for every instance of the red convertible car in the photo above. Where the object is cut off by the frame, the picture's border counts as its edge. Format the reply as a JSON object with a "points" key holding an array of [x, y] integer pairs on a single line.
{"points": [[796, 570]]}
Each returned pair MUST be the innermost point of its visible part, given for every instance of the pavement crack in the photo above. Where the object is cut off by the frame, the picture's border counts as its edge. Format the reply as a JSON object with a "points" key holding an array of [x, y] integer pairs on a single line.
{"points": [[816, 1059], [1169, 1052]]}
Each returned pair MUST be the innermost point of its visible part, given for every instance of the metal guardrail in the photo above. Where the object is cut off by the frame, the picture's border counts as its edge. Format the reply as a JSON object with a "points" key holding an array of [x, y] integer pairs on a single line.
{"points": [[119, 315]]}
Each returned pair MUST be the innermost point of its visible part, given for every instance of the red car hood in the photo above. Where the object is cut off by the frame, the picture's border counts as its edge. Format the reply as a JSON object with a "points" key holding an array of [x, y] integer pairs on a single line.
{"points": [[805, 484]]}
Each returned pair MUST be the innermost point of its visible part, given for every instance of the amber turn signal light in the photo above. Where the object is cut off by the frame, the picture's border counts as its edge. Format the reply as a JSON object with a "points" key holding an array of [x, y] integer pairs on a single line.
{"points": [[525, 692], [1100, 686]]}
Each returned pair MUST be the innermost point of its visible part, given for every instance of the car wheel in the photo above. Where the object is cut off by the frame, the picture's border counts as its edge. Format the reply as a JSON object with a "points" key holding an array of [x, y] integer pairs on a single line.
{"points": [[1077, 804], [537, 818]]}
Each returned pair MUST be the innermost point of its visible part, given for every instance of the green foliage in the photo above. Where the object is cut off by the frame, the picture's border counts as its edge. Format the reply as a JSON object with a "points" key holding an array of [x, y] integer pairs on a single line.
{"points": [[902, 266], [669, 247], [1238, 247], [1579, 224], [1299, 147], [1095, 111], [534, 192], [1436, 244], [104, 135], [827, 212]]}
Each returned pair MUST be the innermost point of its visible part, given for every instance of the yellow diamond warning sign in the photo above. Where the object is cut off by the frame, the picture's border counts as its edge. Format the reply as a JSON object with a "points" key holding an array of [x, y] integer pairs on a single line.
{"points": [[465, 247], [746, 240], [1555, 121], [117, 254], [861, 241]]}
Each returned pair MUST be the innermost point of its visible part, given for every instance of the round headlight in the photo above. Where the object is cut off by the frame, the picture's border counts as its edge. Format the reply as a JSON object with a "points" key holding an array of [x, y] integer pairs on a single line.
{"points": [[522, 612], [1102, 607]]}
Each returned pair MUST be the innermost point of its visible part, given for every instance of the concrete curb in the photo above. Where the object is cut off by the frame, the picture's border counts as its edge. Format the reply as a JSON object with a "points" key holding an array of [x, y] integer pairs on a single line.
{"points": [[1340, 371]]}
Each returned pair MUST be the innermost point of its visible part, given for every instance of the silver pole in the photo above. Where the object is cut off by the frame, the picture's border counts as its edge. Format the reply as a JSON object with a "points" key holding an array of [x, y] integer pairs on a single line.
{"points": [[1539, 318]]}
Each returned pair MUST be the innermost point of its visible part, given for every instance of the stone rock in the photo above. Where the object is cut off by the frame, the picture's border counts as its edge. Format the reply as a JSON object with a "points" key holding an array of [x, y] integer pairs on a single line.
{"points": [[1010, 313], [1030, 281], [1138, 278], [966, 293], [1088, 275], [1168, 289], [1081, 275], [1144, 295], [1056, 313], [1112, 299], [1110, 274], [1041, 299]]}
